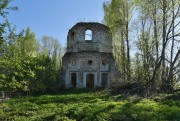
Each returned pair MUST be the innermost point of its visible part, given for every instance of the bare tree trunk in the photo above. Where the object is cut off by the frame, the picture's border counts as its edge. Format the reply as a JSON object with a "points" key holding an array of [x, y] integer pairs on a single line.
{"points": [[128, 52], [170, 75], [169, 80], [164, 41], [123, 57], [155, 32]]}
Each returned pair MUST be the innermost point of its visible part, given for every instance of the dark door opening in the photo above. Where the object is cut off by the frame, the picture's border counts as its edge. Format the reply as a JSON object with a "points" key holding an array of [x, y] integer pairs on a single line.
{"points": [[90, 81], [104, 78], [73, 79]]}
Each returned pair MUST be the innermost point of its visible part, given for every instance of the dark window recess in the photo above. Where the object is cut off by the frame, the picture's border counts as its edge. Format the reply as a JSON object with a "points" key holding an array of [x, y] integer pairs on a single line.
{"points": [[72, 36], [104, 79], [90, 62], [73, 79]]}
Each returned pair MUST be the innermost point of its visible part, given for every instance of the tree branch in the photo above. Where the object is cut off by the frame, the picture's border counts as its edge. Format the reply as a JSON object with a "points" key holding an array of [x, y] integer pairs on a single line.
{"points": [[174, 36], [169, 30], [167, 60], [176, 57], [176, 66], [176, 72]]}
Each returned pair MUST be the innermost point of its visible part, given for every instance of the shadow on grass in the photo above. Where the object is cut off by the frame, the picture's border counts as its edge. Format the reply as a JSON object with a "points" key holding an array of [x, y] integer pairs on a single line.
{"points": [[175, 96], [93, 104], [68, 91], [67, 96]]}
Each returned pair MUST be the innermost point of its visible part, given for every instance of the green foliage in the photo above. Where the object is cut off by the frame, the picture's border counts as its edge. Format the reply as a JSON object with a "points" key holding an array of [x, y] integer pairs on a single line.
{"points": [[88, 105], [23, 67], [4, 11], [14, 74], [15, 64]]}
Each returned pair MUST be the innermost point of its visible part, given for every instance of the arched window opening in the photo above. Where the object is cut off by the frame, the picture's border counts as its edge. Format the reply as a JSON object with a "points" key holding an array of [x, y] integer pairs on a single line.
{"points": [[72, 36], [88, 35]]}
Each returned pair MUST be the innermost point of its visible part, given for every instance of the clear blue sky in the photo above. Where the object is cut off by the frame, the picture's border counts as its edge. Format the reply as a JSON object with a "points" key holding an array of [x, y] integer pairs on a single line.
{"points": [[54, 17]]}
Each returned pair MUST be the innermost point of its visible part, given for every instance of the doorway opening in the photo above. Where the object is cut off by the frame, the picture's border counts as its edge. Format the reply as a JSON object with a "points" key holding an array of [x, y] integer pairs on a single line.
{"points": [[90, 81], [73, 79], [104, 79]]}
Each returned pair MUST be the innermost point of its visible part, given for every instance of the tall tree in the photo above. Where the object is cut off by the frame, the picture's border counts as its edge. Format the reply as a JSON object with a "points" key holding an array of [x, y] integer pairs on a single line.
{"points": [[157, 57], [163, 32], [118, 15]]}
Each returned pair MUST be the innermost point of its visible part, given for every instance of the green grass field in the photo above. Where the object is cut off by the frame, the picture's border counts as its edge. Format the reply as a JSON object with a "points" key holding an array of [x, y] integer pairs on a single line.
{"points": [[88, 105]]}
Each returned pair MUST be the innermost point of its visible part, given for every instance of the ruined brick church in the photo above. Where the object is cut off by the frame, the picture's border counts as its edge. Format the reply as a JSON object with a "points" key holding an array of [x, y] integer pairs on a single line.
{"points": [[88, 62]]}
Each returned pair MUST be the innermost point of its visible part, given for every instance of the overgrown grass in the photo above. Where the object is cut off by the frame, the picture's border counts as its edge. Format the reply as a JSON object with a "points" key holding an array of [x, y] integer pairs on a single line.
{"points": [[89, 105]]}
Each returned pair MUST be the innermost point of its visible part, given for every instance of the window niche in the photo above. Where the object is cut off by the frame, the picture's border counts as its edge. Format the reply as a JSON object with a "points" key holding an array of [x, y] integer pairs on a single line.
{"points": [[104, 79], [90, 62], [88, 35], [72, 35]]}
